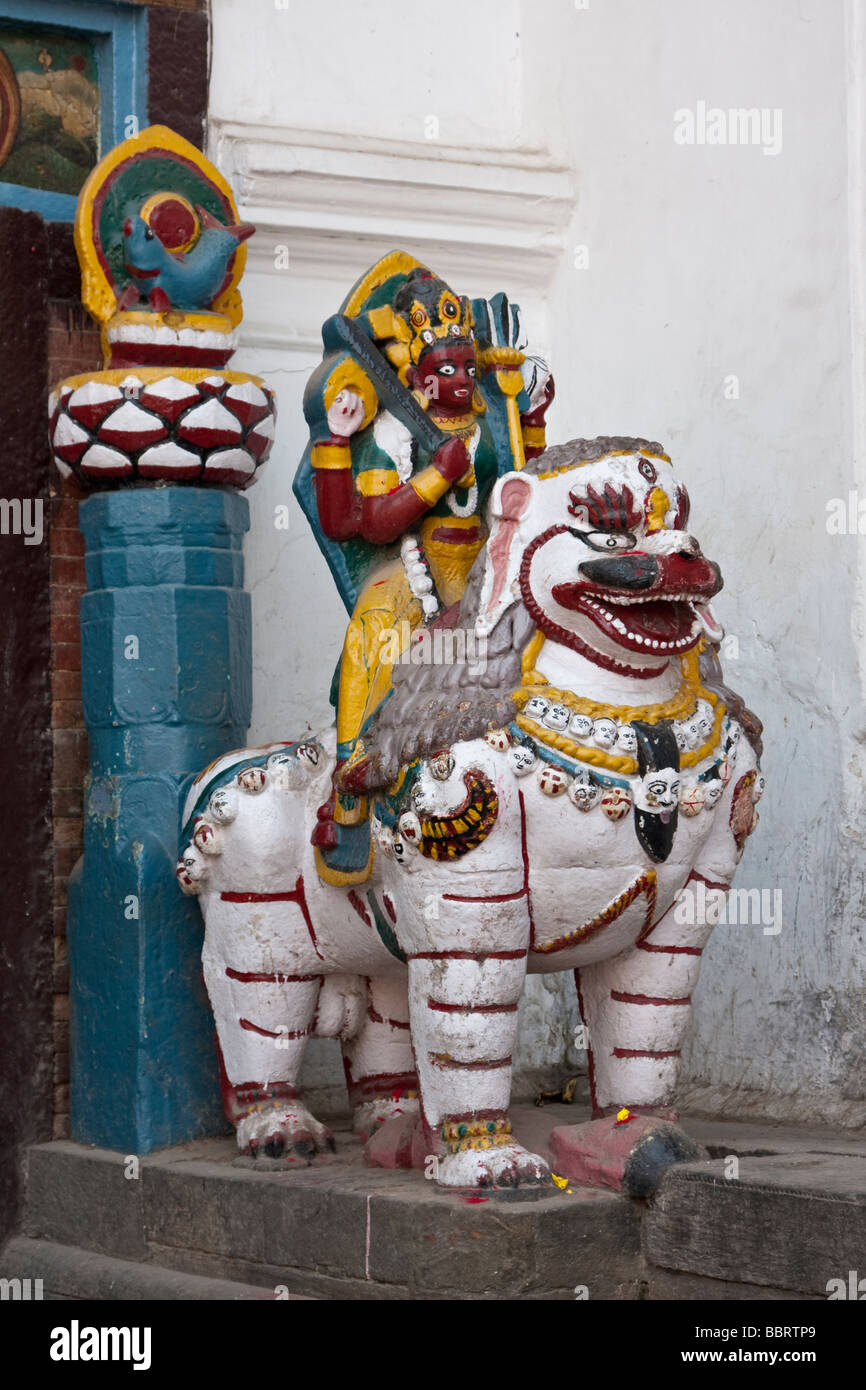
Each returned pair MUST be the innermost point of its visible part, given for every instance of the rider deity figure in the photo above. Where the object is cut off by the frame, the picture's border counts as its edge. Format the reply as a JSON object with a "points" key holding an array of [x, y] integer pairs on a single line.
{"points": [[422, 400]]}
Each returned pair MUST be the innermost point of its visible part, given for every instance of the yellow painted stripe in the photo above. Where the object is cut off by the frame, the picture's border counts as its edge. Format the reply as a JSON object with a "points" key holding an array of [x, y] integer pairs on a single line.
{"points": [[328, 456], [375, 482]]}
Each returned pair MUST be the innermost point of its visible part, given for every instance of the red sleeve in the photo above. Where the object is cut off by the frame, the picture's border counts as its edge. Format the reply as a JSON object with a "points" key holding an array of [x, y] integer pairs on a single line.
{"points": [[344, 513]]}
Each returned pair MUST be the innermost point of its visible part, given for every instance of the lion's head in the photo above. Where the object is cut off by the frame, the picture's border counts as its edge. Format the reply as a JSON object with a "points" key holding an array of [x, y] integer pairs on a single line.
{"points": [[589, 542]]}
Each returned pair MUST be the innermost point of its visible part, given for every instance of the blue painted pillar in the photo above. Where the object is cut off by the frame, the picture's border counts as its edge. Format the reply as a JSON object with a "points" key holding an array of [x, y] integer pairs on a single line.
{"points": [[166, 683]]}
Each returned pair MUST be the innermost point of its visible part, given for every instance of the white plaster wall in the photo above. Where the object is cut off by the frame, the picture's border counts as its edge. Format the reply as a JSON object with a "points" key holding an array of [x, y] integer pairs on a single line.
{"points": [[377, 69], [704, 262], [556, 132]]}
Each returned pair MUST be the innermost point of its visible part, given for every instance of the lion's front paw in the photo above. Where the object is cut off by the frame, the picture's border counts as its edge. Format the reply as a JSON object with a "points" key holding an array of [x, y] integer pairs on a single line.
{"points": [[506, 1167], [282, 1131]]}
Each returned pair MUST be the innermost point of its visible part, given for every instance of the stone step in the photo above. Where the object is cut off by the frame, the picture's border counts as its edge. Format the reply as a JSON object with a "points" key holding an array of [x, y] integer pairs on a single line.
{"points": [[792, 1222], [68, 1272], [337, 1229]]}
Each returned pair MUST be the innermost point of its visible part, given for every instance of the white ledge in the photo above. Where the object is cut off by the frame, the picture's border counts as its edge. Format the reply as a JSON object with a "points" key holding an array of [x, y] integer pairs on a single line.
{"points": [[485, 215]]}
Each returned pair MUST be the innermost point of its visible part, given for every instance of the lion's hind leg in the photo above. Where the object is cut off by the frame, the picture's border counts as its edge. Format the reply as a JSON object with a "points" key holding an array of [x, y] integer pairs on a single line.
{"points": [[382, 1080]]}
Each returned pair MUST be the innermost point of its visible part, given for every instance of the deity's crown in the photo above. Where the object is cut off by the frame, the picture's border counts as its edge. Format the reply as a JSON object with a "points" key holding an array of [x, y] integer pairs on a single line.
{"points": [[426, 311]]}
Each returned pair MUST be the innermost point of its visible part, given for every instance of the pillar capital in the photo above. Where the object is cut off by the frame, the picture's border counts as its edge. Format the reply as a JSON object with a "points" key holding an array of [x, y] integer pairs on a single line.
{"points": [[162, 253]]}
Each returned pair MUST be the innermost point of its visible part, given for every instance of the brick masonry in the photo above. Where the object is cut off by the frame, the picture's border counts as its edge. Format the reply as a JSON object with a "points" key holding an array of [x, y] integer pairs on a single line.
{"points": [[25, 813], [73, 347]]}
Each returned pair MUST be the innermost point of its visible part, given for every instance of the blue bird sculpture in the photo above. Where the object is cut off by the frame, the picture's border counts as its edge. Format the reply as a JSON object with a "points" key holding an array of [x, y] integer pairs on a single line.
{"points": [[178, 280]]}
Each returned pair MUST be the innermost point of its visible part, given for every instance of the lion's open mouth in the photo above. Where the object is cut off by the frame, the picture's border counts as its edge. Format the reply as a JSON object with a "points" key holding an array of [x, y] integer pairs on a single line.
{"points": [[645, 603], [663, 625]]}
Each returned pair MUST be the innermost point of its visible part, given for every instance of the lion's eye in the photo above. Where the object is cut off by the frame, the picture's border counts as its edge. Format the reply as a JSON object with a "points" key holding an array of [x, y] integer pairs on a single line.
{"points": [[610, 540]]}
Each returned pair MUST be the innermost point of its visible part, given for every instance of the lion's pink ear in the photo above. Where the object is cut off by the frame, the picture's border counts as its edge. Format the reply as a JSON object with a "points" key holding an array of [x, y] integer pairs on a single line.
{"points": [[509, 504]]}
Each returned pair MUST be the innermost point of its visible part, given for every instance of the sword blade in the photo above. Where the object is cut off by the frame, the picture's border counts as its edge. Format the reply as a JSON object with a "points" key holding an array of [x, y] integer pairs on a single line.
{"points": [[343, 332]]}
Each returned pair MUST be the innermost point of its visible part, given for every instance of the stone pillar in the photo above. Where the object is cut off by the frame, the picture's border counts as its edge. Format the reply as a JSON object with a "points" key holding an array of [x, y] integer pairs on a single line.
{"points": [[166, 659]]}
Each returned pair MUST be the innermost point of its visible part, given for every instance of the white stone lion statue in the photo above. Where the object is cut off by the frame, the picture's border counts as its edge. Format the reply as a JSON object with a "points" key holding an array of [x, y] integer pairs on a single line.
{"points": [[545, 808]]}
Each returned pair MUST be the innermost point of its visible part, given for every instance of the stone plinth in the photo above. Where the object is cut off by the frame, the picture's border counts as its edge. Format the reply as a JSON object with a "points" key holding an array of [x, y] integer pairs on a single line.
{"points": [[198, 1223]]}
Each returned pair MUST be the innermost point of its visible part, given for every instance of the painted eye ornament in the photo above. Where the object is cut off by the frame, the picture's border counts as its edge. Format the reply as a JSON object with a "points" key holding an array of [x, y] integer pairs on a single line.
{"points": [[609, 540], [646, 470]]}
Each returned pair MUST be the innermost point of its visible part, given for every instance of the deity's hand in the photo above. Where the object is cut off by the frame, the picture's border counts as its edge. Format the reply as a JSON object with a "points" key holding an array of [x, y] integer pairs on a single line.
{"points": [[346, 415], [452, 459], [538, 382]]}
